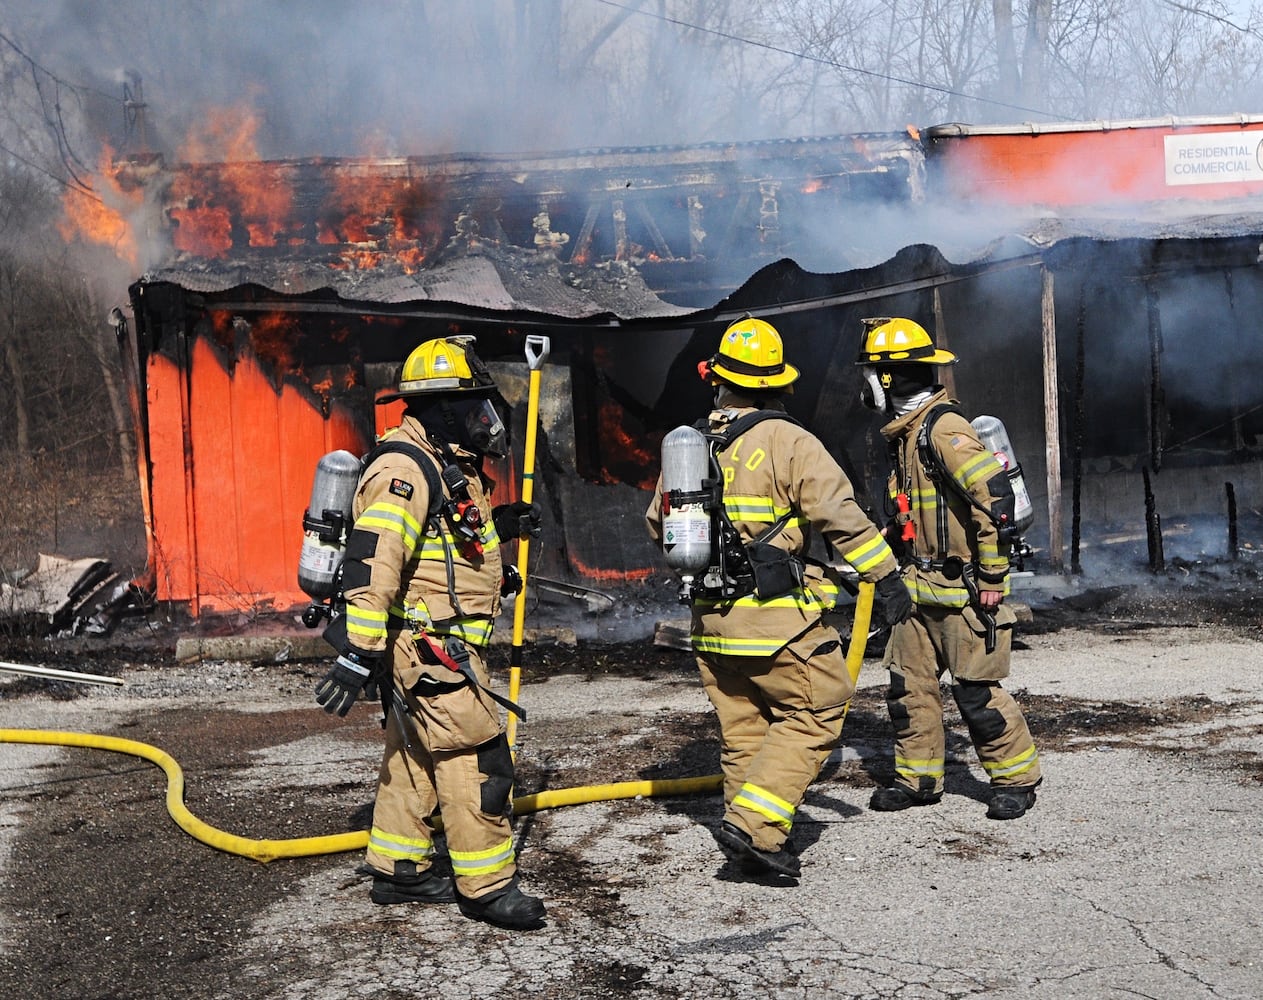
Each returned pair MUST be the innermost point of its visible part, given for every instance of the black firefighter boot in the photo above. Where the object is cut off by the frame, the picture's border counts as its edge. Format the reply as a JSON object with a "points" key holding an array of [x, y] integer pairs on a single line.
{"points": [[1011, 801], [407, 885], [739, 848], [509, 907], [898, 797]]}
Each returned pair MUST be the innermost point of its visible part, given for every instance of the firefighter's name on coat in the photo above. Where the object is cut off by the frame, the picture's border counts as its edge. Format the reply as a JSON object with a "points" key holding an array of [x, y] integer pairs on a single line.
{"points": [[401, 488]]}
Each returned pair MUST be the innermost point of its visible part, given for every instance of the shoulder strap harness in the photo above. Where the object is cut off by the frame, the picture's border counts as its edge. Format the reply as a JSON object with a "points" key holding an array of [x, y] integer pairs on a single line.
{"points": [[939, 475], [743, 568], [449, 495]]}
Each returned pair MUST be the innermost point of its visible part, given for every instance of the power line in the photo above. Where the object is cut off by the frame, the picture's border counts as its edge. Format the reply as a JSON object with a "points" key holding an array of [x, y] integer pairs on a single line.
{"points": [[76, 188], [823, 61], [76, 87], [52, 111]]}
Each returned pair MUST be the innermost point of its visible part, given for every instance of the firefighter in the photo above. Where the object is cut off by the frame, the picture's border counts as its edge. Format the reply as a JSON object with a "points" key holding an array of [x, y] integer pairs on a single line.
{"points": [[422, 580], [774, 670], [947, 491]]}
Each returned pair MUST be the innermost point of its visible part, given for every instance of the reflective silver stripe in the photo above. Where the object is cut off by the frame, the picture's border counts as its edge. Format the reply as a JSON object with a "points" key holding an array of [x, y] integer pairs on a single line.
{"points": [[763, 802], [1020, 764], [930, 768], [980, 468], [393, 518], [482, 862], [474, 631], [868, 555], [366, 623], [404, 848], [736, 647]]}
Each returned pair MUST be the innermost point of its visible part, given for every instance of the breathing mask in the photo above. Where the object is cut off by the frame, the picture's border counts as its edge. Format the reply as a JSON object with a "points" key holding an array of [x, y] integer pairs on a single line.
{"points": [[480, 429], [875, 394]]}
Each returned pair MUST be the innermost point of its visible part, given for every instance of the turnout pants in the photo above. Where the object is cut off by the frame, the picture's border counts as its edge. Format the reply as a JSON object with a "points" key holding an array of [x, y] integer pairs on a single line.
{"points": [[937, 640], [779, 718], [458, 763]]}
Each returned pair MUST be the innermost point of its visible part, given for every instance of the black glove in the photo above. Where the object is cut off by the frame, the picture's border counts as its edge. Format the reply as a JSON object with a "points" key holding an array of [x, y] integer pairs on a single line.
{"points": [[517, 520], [352, 670], [895, 599]]}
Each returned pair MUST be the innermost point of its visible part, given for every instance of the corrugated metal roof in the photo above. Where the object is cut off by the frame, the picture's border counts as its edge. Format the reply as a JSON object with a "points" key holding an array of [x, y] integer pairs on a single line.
{"points": [[488, 278], [959, 129]]}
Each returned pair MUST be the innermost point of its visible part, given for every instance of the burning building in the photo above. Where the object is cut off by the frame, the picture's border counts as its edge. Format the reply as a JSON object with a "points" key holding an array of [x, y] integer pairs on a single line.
{"points": [[1101, 283]]}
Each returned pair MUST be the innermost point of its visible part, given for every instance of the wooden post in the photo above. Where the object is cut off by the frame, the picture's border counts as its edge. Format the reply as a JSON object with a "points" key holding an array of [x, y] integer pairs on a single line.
{"points": [[1076, 448], [1052, 435], [940, 341], [1234, 550]]}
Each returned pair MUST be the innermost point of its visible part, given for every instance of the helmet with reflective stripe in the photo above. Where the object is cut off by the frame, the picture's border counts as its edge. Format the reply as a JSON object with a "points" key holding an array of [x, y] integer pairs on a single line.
{"points": [[751, 355], [888, 341], [447, 365]]}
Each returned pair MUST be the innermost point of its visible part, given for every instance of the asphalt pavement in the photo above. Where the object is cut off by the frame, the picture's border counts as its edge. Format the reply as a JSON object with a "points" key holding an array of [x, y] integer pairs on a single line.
{"points": [[1137, 873]]}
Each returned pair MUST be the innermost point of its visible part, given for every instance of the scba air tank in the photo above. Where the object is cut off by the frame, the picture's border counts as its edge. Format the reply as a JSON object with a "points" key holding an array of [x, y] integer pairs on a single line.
{"points": [[685, 519], [326, 522], [996, 439]]}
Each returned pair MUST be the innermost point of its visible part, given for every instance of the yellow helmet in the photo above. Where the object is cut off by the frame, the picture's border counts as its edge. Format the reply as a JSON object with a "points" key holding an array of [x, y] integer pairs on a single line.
{"points": [[751, 355], [898, 341], [446, 365]]}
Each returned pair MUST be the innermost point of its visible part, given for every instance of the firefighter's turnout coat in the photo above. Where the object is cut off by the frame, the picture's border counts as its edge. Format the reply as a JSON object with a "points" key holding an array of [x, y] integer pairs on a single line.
{"points": [[775, 672], [946, 632], [411, 584]]}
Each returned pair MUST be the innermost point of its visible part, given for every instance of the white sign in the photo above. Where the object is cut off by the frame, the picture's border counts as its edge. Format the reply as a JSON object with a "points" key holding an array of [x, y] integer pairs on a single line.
{"points": [[1214, 157]]}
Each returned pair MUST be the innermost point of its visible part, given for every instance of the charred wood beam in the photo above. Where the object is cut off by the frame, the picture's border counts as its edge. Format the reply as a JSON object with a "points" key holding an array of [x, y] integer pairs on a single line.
{"points": [[697, 235], [1157, 396], [1153, 528], [583, 245], [740, 214], [655, 234], [1234, 550], [946, 374], [769, 215], [1076, 460], [1052, 422], [620, 230]]}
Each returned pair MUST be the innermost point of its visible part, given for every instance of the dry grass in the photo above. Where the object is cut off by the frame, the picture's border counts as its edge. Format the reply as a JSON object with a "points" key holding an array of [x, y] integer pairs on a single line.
{"points": [[70, 510]]}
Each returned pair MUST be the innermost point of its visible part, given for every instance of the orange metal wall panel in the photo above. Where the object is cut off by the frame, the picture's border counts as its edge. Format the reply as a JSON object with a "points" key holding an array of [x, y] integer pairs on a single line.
{"points": [[256, 460], [172, 558], [227, 511], [215, 486], [1076, 168], [388, 416]]}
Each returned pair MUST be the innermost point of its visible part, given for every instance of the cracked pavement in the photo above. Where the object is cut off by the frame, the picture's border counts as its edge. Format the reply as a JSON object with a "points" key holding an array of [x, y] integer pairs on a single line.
{"points": [[1136, 874]]}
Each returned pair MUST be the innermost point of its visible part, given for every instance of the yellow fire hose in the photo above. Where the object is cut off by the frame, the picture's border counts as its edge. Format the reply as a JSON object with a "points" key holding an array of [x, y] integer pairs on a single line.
{"points": [[536, 355], [270, 850]]}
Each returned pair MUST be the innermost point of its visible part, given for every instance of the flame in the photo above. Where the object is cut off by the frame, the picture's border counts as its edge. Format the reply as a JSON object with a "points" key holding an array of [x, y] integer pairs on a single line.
{"points": [[362, 260], [392, 215], [812, 186], [243, 189], [411, 258], [203, 230], [100, 214], [273, 336]]}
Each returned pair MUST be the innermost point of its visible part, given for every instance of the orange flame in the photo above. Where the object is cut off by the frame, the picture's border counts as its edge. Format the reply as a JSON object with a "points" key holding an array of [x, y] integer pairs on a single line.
{"points": [[274, 336], [259, 197], [100, 215]]}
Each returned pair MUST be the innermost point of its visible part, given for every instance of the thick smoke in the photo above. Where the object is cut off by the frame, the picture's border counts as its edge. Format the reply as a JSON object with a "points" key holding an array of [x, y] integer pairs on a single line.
{"points": [[335, 79]]}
